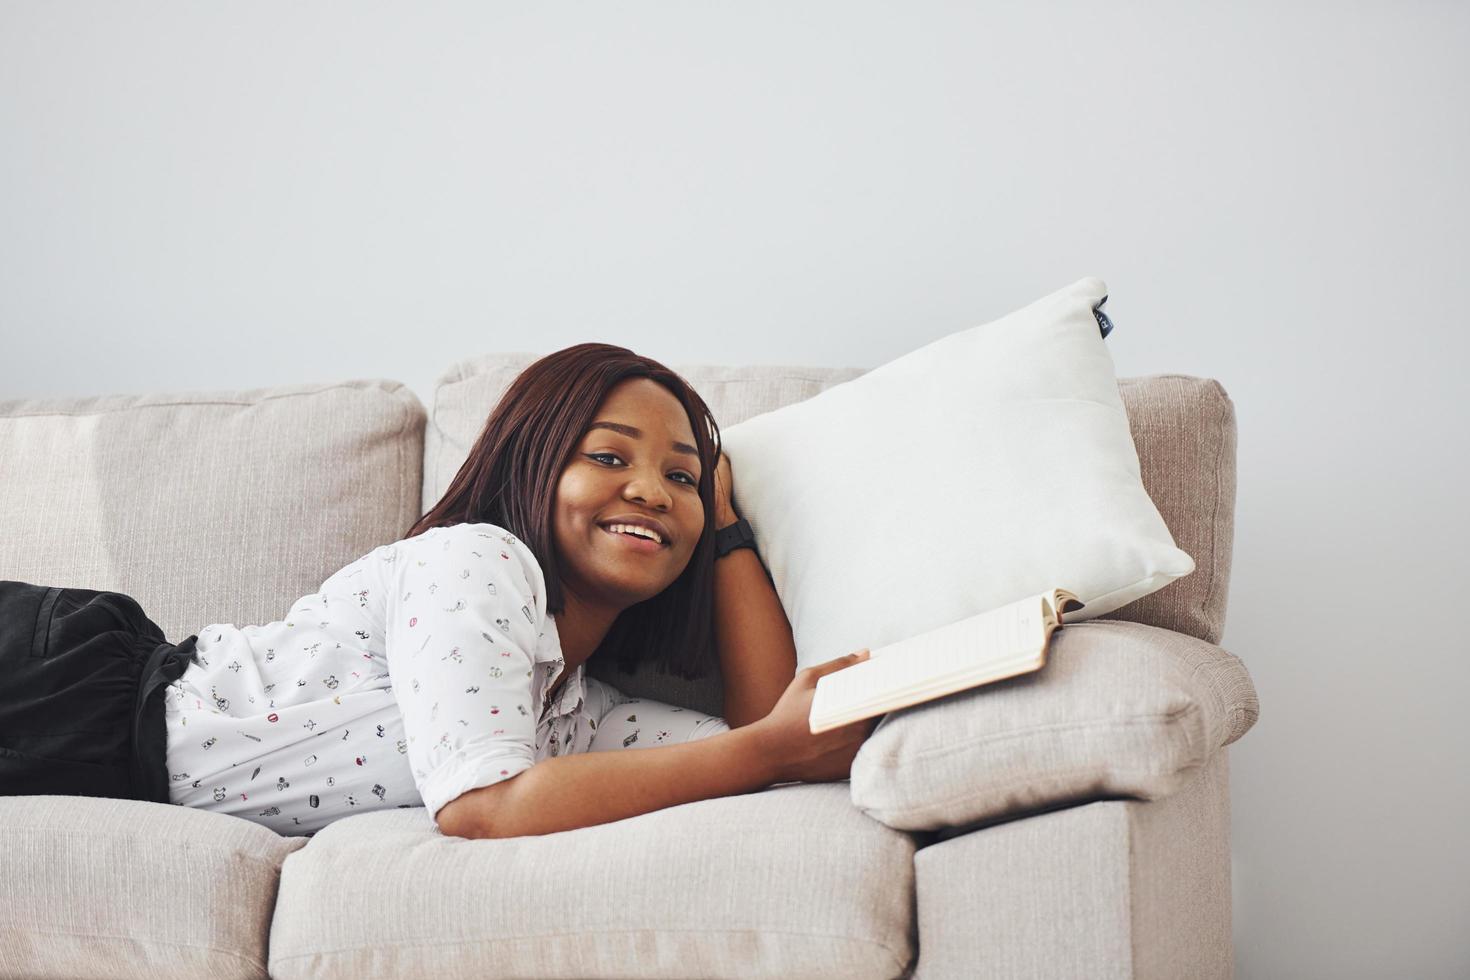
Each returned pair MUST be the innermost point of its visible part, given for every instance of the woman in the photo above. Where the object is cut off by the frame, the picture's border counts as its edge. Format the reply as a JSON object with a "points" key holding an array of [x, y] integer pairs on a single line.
{"points": [[581, 524]]}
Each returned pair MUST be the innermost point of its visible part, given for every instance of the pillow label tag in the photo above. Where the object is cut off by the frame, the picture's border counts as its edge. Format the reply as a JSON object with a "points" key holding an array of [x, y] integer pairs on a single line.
{"points": [[1103, 323]]}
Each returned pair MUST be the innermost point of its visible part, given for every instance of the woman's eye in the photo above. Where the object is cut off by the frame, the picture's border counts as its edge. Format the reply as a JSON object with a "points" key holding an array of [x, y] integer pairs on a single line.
{"points": [[691, 480]]}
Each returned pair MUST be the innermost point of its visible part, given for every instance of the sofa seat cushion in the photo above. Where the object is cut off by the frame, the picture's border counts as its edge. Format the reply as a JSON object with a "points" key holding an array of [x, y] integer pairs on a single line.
{"points": [[94, 887], [1120, 709], [790, 881]]}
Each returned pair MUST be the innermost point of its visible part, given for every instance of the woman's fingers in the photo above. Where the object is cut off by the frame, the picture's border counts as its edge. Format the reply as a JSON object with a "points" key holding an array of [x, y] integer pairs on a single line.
{"points": [[840, 662]]}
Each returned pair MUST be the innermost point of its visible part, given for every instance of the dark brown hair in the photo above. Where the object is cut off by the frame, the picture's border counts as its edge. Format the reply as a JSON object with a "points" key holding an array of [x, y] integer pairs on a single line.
{"points": [[510, 478]]}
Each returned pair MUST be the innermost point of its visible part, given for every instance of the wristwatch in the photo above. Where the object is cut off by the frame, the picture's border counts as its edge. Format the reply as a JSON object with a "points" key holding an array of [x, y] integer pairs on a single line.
{"points": [[737, 535]]}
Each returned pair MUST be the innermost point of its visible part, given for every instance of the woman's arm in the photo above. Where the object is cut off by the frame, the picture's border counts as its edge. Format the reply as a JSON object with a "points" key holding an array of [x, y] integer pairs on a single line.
{"points": [[753, 637], [566, 792]]}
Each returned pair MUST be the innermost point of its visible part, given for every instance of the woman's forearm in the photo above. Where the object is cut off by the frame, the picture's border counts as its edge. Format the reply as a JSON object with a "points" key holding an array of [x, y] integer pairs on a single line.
{"points": [[570, 791], [753, 638]]}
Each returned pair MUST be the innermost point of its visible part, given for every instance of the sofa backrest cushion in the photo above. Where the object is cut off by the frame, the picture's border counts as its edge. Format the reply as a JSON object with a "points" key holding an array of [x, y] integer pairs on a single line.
{"points": [[207, 506], [1183, 428]]}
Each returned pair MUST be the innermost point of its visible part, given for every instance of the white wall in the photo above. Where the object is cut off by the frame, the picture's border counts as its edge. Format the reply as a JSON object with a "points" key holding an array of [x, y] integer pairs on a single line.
{"points": [[205, 196]]}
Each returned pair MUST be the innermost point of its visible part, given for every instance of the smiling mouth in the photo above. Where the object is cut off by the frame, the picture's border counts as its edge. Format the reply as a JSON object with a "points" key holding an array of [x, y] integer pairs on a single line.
{"points": [[644, 545]]}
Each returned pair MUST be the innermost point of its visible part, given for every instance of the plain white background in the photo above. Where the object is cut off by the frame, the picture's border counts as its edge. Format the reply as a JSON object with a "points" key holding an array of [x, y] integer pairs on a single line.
{"points": [[200, 196]]}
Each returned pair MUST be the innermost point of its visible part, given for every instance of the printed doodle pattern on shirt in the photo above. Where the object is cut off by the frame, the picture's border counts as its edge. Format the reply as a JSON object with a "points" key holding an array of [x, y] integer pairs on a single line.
{"points": [[414, 674]]}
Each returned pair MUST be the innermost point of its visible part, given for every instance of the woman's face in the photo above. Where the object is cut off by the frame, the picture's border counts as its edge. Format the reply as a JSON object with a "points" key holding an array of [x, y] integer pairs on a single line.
{"points": [[617, 474]]}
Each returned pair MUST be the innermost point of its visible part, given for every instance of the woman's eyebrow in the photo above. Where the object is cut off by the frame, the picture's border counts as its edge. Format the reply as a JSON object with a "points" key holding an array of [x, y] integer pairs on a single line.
{"points": [[628, 430]]}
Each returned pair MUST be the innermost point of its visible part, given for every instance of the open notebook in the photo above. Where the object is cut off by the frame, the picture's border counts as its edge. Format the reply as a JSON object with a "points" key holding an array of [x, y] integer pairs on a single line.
{"points": [[980, 649]]}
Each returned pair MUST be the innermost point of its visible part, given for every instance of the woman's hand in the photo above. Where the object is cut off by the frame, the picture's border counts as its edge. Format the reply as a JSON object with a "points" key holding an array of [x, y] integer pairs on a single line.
{"points": [[792, 751], [724, 488]]}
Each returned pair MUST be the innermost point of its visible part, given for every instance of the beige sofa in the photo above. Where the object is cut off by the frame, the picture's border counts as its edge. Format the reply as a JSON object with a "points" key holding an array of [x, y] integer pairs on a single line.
{"points": [[1042, 853]]}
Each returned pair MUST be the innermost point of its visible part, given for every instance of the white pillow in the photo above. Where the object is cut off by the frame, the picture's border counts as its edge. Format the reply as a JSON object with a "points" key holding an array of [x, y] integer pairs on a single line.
{"points": [[989, 465]]}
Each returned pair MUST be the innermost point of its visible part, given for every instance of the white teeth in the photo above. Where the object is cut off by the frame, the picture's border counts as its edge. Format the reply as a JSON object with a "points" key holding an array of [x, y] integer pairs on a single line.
{"points": [[641, 532]]}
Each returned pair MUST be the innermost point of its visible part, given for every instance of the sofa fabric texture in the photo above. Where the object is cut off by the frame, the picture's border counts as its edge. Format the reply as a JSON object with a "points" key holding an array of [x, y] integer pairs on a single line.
{"points": [[1119, 709], [1111, 890], [207, 506], [790, 882], [93, 887], [227, 506], [1185, 431]]}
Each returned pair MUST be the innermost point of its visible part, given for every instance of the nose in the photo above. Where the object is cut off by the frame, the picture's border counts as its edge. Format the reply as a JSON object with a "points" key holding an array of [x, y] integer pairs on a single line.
{"points": [[648, 488]]}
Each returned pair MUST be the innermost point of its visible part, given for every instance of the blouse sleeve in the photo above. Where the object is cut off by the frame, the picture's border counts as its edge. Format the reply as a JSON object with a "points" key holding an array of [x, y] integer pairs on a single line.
{"points": [[461, 636]]}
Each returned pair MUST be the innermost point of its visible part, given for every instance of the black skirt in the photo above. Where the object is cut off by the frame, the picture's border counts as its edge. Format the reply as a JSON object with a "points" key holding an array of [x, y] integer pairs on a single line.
{"points": [[81, 699]]}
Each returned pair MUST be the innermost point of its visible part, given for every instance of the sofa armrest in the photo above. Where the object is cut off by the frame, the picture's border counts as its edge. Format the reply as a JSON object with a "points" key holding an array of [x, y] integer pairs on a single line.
{"points": [[1120, 709]]}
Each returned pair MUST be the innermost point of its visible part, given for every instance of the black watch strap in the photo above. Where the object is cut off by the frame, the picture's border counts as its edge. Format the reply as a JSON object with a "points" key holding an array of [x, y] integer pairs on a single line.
{"points": [[737, 535]]}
